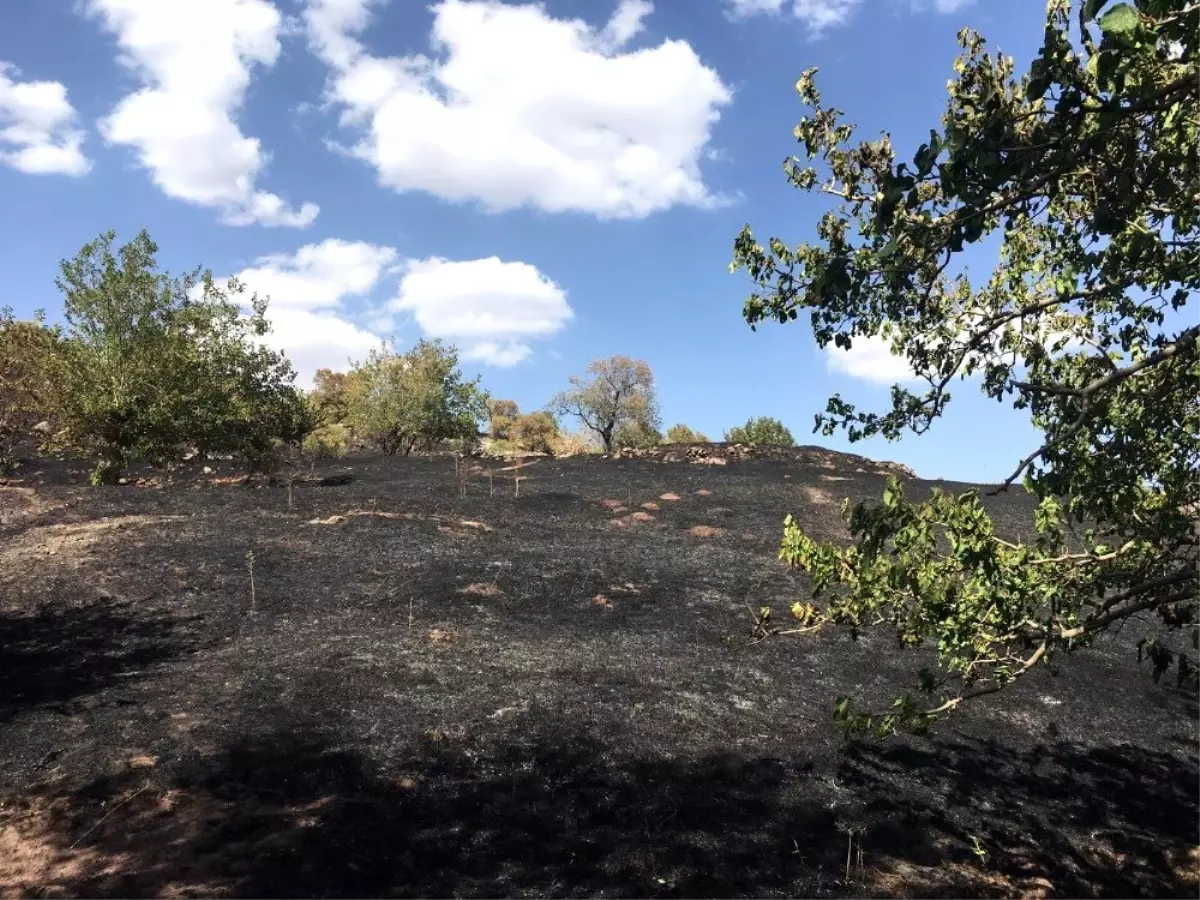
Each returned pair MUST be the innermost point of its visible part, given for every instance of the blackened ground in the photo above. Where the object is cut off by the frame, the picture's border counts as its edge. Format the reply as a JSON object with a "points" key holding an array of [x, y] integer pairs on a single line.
{"points": [[426, 693]]}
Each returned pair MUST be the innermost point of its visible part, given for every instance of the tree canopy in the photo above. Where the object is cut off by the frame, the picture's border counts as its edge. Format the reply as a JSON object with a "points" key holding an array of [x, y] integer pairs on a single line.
{"points": [[1084, 172], [150, 363], [402, 400], [616, 395], [761, 430], [27, 380]]}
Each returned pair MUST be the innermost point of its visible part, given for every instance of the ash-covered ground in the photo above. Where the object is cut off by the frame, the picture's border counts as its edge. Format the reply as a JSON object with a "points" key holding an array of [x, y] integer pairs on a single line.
{"points": [[430, 694]]}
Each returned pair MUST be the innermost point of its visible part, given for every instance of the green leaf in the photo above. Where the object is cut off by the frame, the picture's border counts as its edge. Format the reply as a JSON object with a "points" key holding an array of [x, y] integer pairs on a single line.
{"points": [[1120, 19]]}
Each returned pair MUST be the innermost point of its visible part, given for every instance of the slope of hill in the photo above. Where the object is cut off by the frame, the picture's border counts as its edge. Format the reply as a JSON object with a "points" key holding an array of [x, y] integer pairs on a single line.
{"points": [[417, 683]]}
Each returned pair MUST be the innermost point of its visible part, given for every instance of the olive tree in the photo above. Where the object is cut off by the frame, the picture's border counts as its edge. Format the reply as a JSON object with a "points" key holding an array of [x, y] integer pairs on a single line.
{"points": [[1084, 171], [616, 394], [402, 400]]}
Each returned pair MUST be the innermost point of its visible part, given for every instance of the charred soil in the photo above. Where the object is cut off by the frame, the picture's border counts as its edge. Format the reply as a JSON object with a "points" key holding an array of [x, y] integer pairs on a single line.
{"points": [[407, 683]]}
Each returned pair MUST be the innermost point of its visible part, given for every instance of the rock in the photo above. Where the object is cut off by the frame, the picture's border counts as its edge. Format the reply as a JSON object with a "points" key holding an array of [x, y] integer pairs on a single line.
{"points": [[207, 470]]}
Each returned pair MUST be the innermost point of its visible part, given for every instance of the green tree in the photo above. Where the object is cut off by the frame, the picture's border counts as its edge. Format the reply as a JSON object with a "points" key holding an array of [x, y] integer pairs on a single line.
{"points": [[151, 363], [330, 396], [1085, 173], [534, 432], [403, 400], [762, 430], [681, 434], [617, 393], [28, 354]]}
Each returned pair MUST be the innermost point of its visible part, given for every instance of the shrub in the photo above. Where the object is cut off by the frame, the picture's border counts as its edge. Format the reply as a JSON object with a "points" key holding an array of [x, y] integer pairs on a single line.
{"points": [[762, 430], [327, 442], [501, 415], [534, 432], [681, 434], [419, 398], [574, 443], [27, 358], [637, 434]]}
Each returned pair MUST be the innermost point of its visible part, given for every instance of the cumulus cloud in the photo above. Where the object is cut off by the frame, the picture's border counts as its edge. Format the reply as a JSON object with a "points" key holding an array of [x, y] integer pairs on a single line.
{"points": [[319, 275], [871, 359], [195, 59], [308, 290], [38, 131], [488, 307], [518, 108]]}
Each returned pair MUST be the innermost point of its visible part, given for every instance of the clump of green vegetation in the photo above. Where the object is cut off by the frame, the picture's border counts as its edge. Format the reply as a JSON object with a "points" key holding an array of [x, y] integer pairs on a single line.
{"points": [[28, 353], [534, 432], [681, 434], [400, 401], [761, 430], [149, 364]]}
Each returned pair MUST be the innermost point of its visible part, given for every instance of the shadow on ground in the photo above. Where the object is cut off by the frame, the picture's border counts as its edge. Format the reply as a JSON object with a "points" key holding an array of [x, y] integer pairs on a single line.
{"points": [[288, 814], [107, 644]]}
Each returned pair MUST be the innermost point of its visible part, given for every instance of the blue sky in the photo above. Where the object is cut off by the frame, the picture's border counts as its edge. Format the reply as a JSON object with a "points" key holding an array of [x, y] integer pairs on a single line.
{"points": [[541, 184]]}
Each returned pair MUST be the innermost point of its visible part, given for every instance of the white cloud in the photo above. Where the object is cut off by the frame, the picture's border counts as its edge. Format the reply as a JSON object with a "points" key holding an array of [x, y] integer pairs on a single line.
{"points": [[488, 307], [497, 354], [319, 275], [819, 16], [871, 359], [313, 340], [308, 290], [38, 133], [517, 108], [195, 59], [816, 15]]}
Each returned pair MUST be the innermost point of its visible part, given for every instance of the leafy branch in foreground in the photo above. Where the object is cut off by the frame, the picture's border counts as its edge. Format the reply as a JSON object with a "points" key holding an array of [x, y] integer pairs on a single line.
{"points": [[1085, 173]]}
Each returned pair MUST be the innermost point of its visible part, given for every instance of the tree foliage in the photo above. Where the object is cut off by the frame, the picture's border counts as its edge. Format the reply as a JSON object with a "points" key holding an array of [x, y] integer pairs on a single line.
{"points": [[1084, 172], [761, 430], [617, 393], [682, 434], [151, 363], [330, 396], [534, 432], [405, 400], [27, 381], [501, 415]]}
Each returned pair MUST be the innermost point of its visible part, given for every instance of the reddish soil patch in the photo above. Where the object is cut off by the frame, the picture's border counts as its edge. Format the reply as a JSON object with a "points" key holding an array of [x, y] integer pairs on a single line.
{"points": [[482, 589]]}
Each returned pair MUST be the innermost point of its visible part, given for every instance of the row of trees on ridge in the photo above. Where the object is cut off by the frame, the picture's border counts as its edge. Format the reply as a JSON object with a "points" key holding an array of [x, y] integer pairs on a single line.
{"points": [[150, 366]]}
